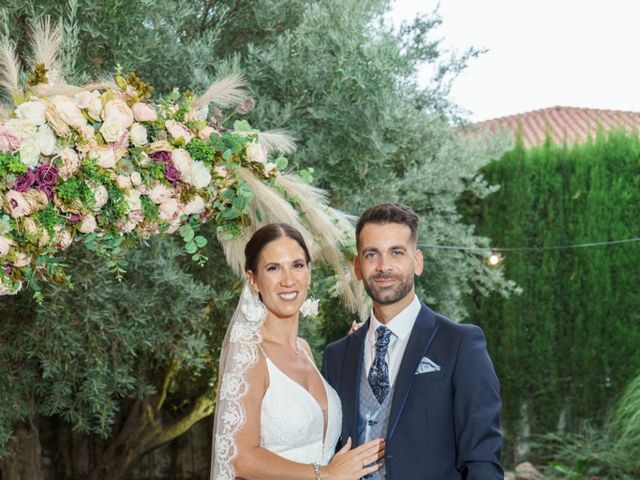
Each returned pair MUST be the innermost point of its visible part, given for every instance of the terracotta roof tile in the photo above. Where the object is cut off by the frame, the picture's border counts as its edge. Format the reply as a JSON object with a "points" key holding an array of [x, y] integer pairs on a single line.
{"points": [[568, 124]]}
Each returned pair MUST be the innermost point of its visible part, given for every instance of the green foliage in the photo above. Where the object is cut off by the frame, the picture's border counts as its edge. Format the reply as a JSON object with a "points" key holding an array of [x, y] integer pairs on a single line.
{"points": [[10, 163], [568, 345]]}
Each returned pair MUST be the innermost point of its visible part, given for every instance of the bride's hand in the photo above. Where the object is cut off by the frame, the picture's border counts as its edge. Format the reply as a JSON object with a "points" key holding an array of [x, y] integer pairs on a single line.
{"points": [[352, 464]]}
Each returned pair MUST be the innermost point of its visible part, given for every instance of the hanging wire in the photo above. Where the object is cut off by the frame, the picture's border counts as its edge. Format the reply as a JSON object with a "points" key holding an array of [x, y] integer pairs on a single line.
{"points": [[528, 249]]}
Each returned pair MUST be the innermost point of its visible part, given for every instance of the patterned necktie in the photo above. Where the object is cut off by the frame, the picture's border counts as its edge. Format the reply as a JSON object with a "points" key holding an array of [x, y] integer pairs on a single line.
{"points": [[379, 373]]}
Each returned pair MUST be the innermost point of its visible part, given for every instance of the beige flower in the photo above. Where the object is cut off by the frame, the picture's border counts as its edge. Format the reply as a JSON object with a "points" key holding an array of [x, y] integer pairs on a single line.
{"points": [[221, 171], [136, 178], [256, 154], [100, 195], [88, 224], [206, 132], [118, 111], [123, 182], [63, 239], [22, 260], [178, 131], [182, 161], [169, 210], [46, 140], [133, 199], [194, 207], [5, 246], [105, 156], [160, 146], [70, 163], [17, 204], [30, 152], [33, 111], [66, 111], [143, 112], [159, 193], [91, 102], [200, 175], [44, 239], [30, 226]]}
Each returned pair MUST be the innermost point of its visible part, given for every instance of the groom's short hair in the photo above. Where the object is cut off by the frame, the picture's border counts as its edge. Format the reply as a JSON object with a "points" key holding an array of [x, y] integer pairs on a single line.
{"points": [[389, 213]]}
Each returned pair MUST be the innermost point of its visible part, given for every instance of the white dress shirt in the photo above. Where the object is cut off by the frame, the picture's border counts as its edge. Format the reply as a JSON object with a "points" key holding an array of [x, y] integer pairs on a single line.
{"points": [[400, 326]]}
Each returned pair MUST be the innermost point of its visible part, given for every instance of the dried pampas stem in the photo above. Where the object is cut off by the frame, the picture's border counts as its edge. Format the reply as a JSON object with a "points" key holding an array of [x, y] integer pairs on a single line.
{"points": [[46, 40], [223, 92], [277, 140], [9, 69]]}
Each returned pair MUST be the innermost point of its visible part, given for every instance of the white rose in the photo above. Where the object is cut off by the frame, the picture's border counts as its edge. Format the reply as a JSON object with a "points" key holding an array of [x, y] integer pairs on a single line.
{"points": [[118, 111], [20, 128], [195, 206], [178, 131], [255, 153], [91, 102], [30, 152], [5, 246], [200, 175], [310, 307], [136, 178], [101, 196], [70, 162], [112, 130], [160, 193], [88, 224], [133, 199], [32, 111], [105, 156], [182, 161], [138, 135], [46, 140]]}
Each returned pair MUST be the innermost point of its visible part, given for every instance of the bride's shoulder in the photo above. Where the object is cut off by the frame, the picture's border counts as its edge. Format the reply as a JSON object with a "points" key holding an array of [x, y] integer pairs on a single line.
{"points": [[258, 374], [302, 343]]}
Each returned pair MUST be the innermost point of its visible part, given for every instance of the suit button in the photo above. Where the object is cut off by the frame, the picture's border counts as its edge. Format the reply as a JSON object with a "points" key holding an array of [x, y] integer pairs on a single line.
{"points": [[389, 456]]}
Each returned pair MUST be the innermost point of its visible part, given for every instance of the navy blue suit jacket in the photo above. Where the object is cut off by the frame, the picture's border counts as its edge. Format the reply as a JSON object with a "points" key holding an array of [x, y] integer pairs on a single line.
{"points": [[444, 425]]}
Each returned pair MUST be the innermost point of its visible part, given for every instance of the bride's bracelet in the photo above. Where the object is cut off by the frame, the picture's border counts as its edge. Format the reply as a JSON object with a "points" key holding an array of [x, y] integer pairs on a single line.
{"points": [[316, 469]]}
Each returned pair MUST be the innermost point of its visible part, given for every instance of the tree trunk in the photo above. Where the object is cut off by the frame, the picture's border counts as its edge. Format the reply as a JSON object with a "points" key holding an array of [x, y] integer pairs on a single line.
{"points": [[23, 460], [144, 430]]}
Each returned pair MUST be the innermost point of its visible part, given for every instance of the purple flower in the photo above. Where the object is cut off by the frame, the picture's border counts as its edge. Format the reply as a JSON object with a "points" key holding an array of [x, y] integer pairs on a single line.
{"points": [[74, 218], [171, 173], [8, 269], [160, 156], [47, 175], [47, 190], [25, 181]]}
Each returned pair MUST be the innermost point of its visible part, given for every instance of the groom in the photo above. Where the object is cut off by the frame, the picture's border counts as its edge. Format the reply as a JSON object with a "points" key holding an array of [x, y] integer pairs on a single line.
{"points": [[410, 375]]}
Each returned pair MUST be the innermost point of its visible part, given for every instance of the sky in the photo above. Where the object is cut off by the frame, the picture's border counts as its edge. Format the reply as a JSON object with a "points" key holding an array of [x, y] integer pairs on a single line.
{"points": [[541, 53]]}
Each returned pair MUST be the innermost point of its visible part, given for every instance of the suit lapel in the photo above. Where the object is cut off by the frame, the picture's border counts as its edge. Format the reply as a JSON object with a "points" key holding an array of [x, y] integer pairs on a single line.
{"points": [[422, 334], [350, 387]]}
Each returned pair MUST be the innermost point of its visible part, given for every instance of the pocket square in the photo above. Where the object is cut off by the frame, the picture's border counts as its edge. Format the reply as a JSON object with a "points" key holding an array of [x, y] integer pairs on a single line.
{"points": [[427, 365]]}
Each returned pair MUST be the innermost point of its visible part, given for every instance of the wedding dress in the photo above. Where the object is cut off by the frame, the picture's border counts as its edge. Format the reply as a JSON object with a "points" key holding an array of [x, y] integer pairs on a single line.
{"points": [[292, 424]]}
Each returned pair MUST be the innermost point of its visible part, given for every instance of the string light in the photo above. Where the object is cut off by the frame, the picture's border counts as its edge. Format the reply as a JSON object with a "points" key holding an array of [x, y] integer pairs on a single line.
{"points": [[494, 259], [491, 250]]}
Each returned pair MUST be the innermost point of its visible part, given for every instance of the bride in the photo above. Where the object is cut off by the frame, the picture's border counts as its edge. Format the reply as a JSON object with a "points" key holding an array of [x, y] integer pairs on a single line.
{"points": [[276, 417]]}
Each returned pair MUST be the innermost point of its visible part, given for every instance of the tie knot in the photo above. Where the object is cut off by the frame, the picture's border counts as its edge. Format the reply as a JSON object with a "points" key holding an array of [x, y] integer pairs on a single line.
{"points": [[384, 335]]}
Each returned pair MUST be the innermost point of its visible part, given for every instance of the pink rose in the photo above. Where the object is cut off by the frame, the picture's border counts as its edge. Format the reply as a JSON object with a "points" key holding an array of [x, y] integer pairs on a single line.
{"points": [[5, 246], [119, 112], [88, 224], [143, 112], [32, 111], [169, 210], [178, 131], [111, 130], [8, 141], [18, 204], [123, 182]]}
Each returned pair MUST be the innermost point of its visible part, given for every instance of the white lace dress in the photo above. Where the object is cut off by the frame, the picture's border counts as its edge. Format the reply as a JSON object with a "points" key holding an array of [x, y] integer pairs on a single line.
{"points": [[292, 422]]}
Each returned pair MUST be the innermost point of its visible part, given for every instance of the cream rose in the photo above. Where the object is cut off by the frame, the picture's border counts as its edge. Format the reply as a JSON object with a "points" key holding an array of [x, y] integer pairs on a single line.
{"points": [[67, 111], [255, 153], [136, 178], [119, 112], [22, 260], [123, 182], [143, 112], [133, 199], [206, 132], [169, 210], [182, 161], [91, 102], [138, 135], [20, 128], [33, 111], [194, 207], [100, 195], [178, 131], [111, 130]]}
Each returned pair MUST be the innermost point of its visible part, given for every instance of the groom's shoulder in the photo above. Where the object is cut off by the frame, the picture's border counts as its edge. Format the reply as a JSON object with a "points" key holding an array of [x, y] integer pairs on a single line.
{"points": [[337, 345], [447, 326]]}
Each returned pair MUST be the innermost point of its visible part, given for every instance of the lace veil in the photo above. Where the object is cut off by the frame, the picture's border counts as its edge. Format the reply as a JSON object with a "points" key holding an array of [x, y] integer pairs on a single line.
{"points": [[238, 354]]}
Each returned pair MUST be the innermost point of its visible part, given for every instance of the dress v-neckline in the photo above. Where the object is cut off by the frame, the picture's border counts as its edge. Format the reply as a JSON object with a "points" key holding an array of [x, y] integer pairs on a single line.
{"points": [[325, 419]]}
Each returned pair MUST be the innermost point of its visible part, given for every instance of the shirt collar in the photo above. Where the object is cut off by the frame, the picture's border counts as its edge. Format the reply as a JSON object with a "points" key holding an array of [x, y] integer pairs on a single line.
{"points": [[400, 325]]}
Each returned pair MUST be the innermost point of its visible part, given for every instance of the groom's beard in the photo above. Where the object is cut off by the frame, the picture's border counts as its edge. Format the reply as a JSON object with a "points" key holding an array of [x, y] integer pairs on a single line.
{"points": [[391, 294]]}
